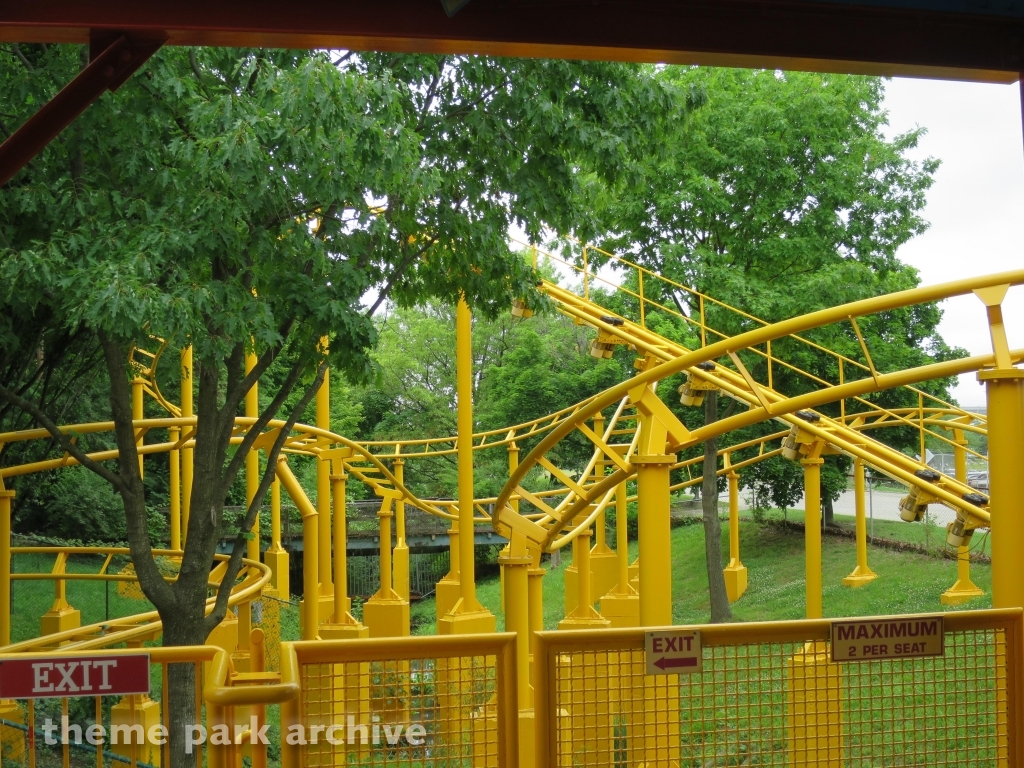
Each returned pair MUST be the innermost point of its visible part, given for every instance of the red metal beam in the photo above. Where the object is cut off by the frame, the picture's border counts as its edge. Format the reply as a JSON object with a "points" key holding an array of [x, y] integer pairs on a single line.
{"points": [[114, 58], [794, 34]]}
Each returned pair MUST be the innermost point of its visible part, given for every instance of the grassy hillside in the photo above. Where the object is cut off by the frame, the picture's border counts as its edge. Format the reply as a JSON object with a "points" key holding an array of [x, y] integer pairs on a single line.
{"points": [[908, 582]]}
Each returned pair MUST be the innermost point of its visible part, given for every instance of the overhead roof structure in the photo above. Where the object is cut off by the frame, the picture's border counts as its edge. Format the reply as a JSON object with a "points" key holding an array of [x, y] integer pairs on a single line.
{"points": [[963, 39]]}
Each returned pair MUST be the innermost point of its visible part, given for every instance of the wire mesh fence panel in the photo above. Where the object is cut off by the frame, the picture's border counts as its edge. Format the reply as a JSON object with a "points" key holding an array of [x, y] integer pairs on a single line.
{"points": [[279, 620], [422, 707], [783, 701], [425, 570]]}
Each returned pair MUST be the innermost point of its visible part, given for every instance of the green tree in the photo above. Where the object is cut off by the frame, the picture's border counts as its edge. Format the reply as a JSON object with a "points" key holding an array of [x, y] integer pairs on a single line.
{"points": [[261, 201], [782, 196], [525, 369]]}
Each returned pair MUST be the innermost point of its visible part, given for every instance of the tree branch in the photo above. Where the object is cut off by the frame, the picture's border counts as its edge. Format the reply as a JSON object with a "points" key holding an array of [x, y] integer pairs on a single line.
{"points": [[399, 270], [60, 437], [198, 73], [133, 493], [21, 56], [257, 428], [235, 395], [220, 606]]}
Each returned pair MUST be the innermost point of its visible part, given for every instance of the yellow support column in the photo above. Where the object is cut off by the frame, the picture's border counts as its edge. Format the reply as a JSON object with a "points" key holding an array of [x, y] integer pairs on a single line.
{"points": [[6, 497], [401, 553], [571, 579], [323, 499], [174, 481], [349, 691], [516, 568], [571, 575], [386, 614], [12, 740], [1004, 390], [342, 625], [448, 589], [61, 616], [862, 574], [584, 616], [621, 606], [240, 656], [812, 535], [138, 414], [814, 703], [963, 590], [467, 616], [276, 556], [655, 539], [187, 457], [132, 710], [536, 582], [603, 562], [736, 571], [653, 737], [1005, 393], [814, 690], [513, 464], [309, 617]]}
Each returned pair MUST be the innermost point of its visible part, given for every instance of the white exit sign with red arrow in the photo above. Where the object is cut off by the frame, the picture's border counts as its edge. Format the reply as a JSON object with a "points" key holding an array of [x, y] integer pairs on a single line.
{"points": [[673, 652]]}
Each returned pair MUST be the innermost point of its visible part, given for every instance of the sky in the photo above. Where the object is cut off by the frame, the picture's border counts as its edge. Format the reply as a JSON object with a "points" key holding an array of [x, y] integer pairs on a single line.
{"points": [[975, 207]]}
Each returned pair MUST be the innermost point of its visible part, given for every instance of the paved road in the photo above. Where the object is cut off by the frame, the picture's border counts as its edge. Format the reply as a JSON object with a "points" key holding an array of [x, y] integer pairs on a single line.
{"points": [[883, 505]]}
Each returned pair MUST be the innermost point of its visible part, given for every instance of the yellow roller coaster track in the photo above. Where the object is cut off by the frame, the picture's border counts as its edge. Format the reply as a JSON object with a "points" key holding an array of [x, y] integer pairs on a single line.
{"points": [[615, 439], [663, 358]]}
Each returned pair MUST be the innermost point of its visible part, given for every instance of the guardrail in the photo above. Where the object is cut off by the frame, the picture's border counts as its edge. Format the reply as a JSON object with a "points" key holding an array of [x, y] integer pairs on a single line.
{"points": [[402, 701], [769, 694]]}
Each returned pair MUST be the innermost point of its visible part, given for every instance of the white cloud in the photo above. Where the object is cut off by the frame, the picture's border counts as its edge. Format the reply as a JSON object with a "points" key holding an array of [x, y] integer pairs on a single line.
{"points": [[976, 207]]}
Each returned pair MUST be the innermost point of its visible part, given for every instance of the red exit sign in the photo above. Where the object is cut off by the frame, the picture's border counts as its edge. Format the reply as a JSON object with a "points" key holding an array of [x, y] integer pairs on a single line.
{"points": [[56, 677]]}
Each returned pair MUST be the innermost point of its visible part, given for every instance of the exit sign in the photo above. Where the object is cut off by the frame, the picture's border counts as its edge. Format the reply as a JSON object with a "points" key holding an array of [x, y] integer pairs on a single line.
{"points": [[673, 652], [56, 677]]}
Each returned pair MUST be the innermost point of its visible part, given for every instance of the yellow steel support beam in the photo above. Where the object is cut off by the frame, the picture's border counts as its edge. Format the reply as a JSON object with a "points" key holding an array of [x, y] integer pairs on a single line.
{"points": [[252, 461], [187, 459], [323, 497], [812, 535], [276, 556], [862, 574], [963, 589], [1005, 395], [6, 497], [736, 571], [310, 549], [621, 606], [467, 615], [138, 414], [401, 553], [174, 481]]}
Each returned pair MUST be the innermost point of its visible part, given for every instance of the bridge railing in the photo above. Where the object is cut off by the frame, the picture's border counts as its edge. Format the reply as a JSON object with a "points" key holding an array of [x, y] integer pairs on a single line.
{"points": [[770, 694]]}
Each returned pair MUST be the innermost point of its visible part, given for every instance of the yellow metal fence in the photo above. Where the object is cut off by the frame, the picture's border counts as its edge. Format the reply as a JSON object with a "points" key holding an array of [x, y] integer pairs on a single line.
{"points": [[423, 701], [769, 694]]}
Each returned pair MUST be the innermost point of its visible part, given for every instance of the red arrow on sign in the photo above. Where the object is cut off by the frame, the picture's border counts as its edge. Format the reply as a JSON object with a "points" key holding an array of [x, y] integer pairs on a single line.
{"points": [[664, 663]]}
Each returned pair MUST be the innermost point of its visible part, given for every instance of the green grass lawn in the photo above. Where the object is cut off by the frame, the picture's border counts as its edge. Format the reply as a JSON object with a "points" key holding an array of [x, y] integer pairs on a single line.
{"points": [[907, 582], [97, 600]]}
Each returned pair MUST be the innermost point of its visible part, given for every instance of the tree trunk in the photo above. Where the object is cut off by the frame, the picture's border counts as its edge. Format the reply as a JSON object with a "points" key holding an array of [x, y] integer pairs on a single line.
{"points": [[828, 514], [181, 694], [720, 611]]}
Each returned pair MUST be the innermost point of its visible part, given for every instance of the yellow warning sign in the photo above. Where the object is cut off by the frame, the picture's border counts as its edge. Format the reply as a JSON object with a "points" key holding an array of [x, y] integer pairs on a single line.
{"points": [[906, 637]]}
